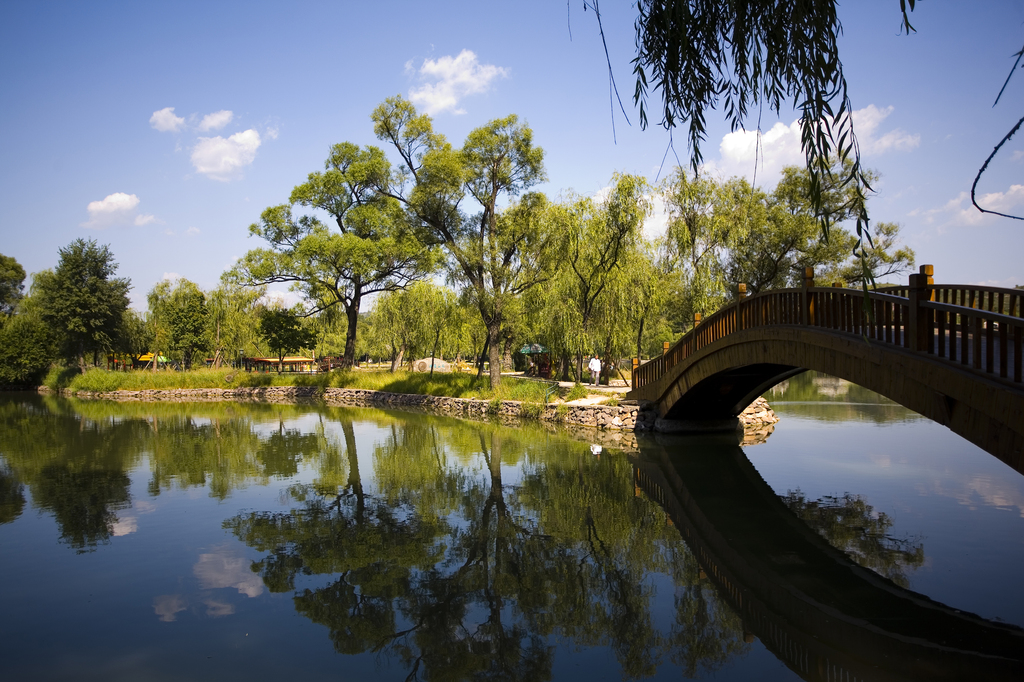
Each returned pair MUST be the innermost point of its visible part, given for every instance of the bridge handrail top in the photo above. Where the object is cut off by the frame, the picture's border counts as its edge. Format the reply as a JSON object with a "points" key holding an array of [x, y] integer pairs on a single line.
{"points": [[978, 287], [972, 312]]}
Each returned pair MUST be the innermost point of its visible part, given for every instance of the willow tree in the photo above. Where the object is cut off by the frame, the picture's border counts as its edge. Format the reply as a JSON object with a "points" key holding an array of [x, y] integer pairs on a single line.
{"points": [[454, 195], [599, 237], [373, 249]]}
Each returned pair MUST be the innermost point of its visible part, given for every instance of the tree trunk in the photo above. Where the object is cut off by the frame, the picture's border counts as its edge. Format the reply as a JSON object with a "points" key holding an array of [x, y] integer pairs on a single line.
{"points": [[396, 361], [216, 355], [280, 363], [352, 315], [433, 353], [494, 352], [639, 338], [480, 358]]}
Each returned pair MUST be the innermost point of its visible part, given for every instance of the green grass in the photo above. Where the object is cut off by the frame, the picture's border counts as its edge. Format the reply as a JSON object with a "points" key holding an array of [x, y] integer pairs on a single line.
{"points": [[458, 385], [577, 391], [531, 410]]}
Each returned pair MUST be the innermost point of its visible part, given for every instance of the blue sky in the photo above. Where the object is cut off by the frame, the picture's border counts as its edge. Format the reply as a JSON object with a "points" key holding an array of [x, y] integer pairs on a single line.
{"points": [[164, 131]]}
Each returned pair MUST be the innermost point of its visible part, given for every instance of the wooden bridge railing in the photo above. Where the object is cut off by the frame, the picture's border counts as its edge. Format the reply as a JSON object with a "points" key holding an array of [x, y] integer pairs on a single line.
{"points": [[979, 328]]}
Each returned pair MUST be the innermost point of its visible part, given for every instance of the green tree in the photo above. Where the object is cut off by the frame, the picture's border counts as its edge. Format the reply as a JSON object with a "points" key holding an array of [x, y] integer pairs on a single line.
{"points": [[135, 335], [284, 333], [12, 278], [82, 300], [188, 320], [455, 194], [706, 219], [233, 319], [599, 239], [27, 348], [374, 250]]}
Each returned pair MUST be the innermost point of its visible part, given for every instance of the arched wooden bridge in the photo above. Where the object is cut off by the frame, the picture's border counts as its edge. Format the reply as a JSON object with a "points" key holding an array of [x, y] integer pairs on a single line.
{"points": [[950, 352]]}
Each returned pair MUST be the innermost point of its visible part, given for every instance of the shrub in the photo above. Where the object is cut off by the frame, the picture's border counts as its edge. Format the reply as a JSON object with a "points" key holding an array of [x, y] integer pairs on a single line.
{"points": [[562, 411]]}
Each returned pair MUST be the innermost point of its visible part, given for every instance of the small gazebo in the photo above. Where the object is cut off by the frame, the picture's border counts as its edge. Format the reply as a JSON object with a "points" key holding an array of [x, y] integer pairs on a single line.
{"points": [[540, 360]]}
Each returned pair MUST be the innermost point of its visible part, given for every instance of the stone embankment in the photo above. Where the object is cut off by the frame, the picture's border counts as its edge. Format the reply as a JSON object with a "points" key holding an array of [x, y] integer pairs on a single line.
{"points": [[628, 415]]}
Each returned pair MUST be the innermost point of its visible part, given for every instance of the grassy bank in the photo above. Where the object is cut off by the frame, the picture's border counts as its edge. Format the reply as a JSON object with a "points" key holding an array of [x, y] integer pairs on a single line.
{"points": [[452, 385]]}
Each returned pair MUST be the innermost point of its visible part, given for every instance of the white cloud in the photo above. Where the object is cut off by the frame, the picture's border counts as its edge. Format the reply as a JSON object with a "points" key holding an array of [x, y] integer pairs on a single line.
{"points": [[1018, 155], [171, 276], [118, 202], [115, 209], [192, 231], [272, 133], [223, 159], [866, 122], [165, 121], [449, 79], [960, 211], [780, 146], [216, 120]]}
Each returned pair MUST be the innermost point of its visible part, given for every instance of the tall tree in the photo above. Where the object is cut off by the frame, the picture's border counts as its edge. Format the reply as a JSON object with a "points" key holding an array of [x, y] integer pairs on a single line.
{"points": [[186, 314], [706, 219], [599, 237], [233, 319], [455, 195], [12, 278], [373, 249], [82, 300]]}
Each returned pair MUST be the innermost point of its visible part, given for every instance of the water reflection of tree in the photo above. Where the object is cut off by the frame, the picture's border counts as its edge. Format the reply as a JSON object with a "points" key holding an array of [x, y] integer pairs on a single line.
{"points": [[12, 496], [827, 398], [460, 575], [74, 468], [850, 524]]}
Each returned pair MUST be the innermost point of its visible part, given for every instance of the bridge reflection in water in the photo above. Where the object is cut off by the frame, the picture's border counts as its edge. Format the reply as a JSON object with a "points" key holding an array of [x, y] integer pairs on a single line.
{"points": [[823, 615]]}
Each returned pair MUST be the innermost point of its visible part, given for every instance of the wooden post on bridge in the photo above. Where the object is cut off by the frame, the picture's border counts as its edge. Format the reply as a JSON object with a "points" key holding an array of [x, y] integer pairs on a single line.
{"points": [[807, 298], [664, 347], [632, 374], [741, 293], [696, 320], [919, 328]]}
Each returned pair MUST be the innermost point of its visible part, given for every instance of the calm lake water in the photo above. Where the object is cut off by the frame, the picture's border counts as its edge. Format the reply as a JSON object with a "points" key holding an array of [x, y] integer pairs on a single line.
{"points": [[246, 541]]}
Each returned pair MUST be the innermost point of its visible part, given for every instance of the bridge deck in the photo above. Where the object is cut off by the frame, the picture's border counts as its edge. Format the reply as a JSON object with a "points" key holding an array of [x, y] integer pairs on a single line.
{"points": [[963, 344]]}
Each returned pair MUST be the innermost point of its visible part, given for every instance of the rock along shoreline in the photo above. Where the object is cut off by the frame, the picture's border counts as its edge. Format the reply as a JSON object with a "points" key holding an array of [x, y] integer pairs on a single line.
{"points": [[628, 415]]}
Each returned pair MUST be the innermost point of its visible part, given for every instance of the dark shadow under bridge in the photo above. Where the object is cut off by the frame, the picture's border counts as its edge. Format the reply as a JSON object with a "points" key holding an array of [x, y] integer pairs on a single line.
{"points": [[949, 352]]}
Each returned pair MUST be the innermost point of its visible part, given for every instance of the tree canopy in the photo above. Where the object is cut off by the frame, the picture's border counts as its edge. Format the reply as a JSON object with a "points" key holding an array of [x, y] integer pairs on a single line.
{"points": [[82, 300], [373, 250], [454, 195], [12, 278]]}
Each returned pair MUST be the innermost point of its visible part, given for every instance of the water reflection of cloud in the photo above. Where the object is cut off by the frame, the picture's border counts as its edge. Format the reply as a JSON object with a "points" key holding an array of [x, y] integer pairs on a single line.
{"points": [[216, 609], [125, 525], [167, 605], [993, 492], [221, 568]]}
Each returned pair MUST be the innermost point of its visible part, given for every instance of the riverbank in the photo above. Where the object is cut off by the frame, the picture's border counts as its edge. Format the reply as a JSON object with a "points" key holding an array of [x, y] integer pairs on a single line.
{"points": [[625, 416]]}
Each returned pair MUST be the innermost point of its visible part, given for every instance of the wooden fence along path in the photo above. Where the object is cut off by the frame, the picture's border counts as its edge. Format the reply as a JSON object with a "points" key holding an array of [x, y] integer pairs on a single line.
{"points": [[980, 329]]}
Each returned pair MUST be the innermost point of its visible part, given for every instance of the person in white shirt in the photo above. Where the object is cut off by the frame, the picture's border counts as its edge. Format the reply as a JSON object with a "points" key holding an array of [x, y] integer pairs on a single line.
{"points": [[595, 369]]}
